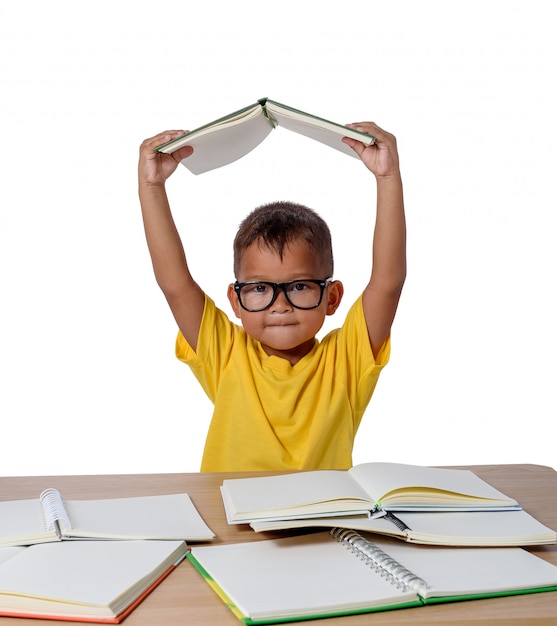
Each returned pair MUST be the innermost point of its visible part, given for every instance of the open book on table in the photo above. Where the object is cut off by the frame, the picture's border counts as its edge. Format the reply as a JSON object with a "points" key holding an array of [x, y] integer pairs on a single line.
{"points": [[51, 518], [364, 489], [231, 137], [92, 581], [477, 528], [337, 573]]}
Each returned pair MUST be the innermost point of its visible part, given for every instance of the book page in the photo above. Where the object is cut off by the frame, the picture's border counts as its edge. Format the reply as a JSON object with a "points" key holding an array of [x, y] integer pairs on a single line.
{"points": [[489, 528], [149, 517], [448, 528], [305, 493], [223, 141], [22, 521], [101, 573], [316, 128], [426, 486], [472, 571], [8, 553], [354, 522], [307, 575]]}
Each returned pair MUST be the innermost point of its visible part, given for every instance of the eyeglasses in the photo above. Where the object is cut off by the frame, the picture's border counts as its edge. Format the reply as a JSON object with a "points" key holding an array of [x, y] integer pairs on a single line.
{"points": [[301, 294]]}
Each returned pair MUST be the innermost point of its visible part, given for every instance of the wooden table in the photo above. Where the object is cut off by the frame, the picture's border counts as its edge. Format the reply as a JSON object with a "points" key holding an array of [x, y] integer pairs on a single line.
{"points": [[185, 598]]}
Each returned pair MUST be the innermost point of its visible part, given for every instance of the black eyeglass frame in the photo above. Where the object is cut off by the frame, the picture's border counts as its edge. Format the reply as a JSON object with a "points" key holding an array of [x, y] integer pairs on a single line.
{"points": [[322, 284]]}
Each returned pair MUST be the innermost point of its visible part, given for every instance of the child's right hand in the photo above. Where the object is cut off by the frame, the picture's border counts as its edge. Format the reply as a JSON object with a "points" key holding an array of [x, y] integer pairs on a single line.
{"points": [[155, 167]]}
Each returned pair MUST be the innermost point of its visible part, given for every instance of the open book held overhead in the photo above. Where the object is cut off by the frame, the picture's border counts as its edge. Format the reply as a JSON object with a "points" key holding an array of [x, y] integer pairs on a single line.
{"points": [[231, 137]]}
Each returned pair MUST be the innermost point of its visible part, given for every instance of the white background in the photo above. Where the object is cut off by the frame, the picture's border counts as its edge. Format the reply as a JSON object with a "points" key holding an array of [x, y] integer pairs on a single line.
{"points": [[89, 381]]}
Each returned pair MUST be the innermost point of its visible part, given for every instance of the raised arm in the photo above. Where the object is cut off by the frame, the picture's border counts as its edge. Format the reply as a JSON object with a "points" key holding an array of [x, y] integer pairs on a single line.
{"points": [[382, 293], [185, 298]]}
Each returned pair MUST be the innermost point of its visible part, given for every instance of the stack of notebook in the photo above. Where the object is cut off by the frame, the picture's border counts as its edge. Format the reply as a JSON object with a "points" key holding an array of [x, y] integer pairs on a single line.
{"points": [[90, 560], [462, 522]]}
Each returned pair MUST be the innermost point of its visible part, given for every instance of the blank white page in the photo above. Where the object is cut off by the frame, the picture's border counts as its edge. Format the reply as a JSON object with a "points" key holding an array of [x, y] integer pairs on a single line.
{"points": [[464, 571], [148, 517], [303, 575]]}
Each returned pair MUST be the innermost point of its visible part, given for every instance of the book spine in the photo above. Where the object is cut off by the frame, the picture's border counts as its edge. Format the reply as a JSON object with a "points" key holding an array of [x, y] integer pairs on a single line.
{"points": [[378, 560], [267, 113], [54, 512]]}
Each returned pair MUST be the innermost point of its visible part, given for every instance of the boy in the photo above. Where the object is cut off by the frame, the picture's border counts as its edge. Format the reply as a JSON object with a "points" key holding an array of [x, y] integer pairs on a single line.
{"points": [[283, 400]]}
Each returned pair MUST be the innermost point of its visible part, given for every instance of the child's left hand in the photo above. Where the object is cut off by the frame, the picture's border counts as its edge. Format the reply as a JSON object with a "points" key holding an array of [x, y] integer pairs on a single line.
{"points": [[381, 157]]}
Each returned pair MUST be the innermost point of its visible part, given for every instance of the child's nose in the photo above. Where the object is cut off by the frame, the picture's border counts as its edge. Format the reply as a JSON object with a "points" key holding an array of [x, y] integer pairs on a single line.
{"points": [[281, 303]]}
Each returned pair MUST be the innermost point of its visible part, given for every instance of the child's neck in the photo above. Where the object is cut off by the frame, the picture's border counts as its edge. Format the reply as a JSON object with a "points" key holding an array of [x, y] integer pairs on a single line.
{"points": [[294, 355]]}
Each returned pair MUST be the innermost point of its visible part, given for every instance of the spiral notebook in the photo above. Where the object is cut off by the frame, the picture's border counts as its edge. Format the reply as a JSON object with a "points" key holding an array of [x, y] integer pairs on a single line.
{"points": [[52, 518], [342, 573]]}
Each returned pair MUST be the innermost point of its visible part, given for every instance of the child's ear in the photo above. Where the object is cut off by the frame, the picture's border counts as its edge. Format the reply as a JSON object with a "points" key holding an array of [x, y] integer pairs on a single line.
{"points": [[233, 298], [335, 293]]}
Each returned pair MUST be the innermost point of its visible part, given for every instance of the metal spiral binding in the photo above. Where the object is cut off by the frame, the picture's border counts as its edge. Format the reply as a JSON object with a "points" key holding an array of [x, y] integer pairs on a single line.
{"points": [[379, 561], [54, 511], [396, 521]]}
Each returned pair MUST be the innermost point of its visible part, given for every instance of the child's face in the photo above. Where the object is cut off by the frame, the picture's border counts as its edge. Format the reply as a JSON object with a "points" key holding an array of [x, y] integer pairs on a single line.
{"points": [[282, 329]]}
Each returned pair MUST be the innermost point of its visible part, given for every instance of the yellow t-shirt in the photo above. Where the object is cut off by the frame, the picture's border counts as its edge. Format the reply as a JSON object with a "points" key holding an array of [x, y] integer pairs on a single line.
{"points": [[270, 415]]}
